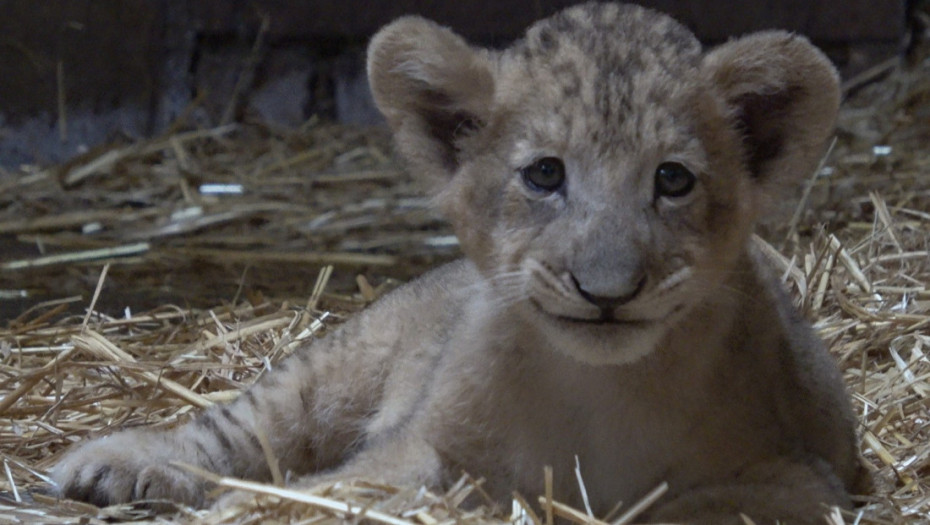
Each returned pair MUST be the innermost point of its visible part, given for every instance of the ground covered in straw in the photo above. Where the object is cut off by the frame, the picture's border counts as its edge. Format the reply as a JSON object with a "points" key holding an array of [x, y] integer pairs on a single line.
{"points": [[134, 293]]}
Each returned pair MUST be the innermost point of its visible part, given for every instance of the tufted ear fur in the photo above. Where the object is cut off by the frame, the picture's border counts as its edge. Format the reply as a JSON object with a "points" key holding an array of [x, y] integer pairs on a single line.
{"points": [[433, 88], [783, 94]]}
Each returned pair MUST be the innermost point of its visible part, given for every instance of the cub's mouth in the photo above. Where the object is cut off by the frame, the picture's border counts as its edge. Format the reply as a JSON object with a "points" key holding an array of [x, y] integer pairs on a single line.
{"points": [[605, 318], [557, 299]]}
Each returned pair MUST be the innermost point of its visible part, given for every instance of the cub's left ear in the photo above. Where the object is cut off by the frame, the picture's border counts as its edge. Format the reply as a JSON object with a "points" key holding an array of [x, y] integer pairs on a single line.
{"points": [[784, 95]]}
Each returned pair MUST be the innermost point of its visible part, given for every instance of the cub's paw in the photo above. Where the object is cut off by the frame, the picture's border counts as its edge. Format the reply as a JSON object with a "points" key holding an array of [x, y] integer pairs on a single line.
{"points": [[122, 468]]}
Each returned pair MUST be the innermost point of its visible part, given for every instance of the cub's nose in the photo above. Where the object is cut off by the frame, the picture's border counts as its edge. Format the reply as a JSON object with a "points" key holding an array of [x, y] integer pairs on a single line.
{"points": [[608, 302]]}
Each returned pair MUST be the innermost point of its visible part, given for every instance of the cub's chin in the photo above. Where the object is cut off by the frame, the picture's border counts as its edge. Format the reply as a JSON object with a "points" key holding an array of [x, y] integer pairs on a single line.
{"points": [[597, 341]]}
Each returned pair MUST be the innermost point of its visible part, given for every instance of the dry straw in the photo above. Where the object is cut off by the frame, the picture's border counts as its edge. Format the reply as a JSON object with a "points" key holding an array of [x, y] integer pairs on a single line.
{"points": [[857, 258]]}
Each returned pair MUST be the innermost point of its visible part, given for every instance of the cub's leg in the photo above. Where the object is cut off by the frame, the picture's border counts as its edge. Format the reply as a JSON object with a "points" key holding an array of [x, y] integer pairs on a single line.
{"points": [[313, 410], [406, 460], [769, 494], [403, 461]]}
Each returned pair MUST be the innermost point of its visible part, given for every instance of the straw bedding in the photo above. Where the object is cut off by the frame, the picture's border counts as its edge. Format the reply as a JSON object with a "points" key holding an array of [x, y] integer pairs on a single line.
{"points": [[136, 295]]}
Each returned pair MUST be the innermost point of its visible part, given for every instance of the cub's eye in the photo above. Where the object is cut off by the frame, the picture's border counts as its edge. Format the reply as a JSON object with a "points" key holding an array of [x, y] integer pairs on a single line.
{"points": [[674, 180], [546, 174]]}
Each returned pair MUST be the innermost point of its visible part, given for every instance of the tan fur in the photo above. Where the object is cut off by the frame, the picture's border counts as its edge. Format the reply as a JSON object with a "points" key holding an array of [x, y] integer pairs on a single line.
{"points": [[690, 366]]}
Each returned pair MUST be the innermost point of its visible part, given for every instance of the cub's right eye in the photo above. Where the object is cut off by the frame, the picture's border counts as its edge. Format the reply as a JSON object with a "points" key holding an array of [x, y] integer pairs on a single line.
{"points": [[674, 180], [545, 175]]}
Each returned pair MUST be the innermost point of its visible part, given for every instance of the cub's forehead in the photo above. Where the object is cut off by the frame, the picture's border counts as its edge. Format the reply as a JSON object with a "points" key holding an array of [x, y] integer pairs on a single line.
{"points": [[605, 70], [610, 36], [606, 47], [627, 25]]}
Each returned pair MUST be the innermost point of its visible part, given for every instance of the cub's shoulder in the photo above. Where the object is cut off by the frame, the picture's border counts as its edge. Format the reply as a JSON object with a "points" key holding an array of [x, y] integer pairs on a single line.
{"points": [[431, 299]]}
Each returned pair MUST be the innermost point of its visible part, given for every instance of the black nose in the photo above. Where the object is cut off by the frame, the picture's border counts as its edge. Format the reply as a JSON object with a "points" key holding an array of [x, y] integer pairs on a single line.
{"points": [[608, 303]]}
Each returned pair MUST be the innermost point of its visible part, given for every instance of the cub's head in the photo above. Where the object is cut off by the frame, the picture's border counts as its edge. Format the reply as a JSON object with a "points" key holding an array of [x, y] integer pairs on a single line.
{"points": [[604, 172]]}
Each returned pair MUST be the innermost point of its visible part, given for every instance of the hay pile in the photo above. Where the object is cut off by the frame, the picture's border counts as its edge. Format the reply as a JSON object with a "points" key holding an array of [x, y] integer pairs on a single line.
{"points": [[139, 294]]}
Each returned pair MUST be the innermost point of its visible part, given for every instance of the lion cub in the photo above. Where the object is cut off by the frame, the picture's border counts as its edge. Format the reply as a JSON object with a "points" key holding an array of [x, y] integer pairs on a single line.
{"points": [[603, 175]]}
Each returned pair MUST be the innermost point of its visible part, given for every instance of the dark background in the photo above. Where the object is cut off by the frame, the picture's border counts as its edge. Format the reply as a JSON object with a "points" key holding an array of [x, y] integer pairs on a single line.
{"points": [[77, 73]]}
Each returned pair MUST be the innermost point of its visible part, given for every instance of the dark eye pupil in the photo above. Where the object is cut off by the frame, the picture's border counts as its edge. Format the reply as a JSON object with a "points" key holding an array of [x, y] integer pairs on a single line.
{"points": [[546, 174], [674, 180]]}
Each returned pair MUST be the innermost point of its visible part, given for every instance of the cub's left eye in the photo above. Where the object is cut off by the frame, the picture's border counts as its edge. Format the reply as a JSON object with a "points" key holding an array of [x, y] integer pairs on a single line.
{"points": [[546, 174], [674, 180]]}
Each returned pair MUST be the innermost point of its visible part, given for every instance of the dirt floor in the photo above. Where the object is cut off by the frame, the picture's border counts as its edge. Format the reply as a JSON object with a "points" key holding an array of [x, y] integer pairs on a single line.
{"points": [[133, 292]]}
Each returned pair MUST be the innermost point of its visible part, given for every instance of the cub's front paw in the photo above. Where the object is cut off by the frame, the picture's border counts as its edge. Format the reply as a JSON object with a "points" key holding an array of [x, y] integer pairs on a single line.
{"points": [[122, 468]]}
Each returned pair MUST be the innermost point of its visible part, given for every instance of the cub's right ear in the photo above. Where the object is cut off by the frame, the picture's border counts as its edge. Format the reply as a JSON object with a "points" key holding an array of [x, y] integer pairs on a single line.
{"points": [[433, 88]]}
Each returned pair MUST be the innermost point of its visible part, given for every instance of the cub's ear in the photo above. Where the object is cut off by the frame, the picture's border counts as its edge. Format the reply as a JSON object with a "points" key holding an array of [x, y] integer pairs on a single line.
{"points": [[433, 88], [783, 95]]}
